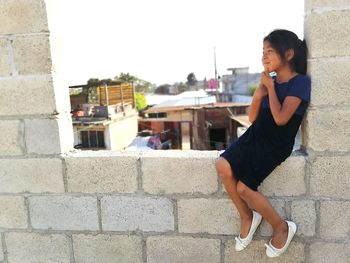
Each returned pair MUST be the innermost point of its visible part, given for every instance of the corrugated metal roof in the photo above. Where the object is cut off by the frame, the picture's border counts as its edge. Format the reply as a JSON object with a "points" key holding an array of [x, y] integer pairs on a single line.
{"points": [[193, 107]]}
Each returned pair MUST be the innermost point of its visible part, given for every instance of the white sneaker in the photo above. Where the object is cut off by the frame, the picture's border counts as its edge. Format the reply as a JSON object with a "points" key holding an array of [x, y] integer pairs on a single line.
{"points": [[273, 252], [242, 243]]}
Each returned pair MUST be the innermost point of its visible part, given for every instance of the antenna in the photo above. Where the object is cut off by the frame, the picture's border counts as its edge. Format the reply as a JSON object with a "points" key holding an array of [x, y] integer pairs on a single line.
{"points": [[216, 77]]}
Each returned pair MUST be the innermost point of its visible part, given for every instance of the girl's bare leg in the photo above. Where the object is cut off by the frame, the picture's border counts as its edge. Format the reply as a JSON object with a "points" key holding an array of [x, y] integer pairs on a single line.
{"points": [[261, 204], [224, 171]]}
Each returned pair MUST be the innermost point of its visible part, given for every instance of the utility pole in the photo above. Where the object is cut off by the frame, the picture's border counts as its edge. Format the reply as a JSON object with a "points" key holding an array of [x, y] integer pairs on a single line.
{"points": [[216, 78]]}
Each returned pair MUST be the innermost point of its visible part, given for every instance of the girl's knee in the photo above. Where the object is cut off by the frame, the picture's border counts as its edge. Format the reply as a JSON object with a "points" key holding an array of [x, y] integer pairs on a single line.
{"points": [[242, 189], [223, 168]]}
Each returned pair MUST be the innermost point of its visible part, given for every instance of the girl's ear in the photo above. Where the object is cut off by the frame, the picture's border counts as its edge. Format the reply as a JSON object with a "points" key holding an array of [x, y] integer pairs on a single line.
{"points": [[289, 54]]}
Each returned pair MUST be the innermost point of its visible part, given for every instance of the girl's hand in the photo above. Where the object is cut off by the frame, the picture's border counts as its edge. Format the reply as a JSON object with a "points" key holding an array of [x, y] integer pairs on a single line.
{"points": [[261, 91], [267, 81]]}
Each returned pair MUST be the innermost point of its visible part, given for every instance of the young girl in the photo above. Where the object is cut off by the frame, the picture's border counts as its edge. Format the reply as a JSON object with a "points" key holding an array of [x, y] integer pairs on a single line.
{"points": [[276, 113]]}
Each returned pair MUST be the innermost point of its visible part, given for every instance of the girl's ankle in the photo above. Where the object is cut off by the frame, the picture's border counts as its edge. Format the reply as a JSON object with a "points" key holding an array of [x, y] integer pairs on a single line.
{"points": [[247, 216], [281, 227]]}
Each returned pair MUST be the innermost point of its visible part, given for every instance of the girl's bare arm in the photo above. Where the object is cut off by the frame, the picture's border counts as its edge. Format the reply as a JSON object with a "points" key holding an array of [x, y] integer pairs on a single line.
{"points": [[281, 113], [254, 108]]}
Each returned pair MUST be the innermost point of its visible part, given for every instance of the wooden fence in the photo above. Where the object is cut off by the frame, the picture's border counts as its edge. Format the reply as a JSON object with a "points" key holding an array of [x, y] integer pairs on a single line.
{"points": [[122, 94]]}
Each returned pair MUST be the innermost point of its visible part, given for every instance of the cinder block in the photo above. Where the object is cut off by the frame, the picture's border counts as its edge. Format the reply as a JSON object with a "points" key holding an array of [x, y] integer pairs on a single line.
{"points": [[42, 136], [5, 69], [188, 172], [316, 4], [37, 175], [107, 248], [255, 253], [304, 215], [265, 227], [330, 80], [23, 16], [287, 179], [63, 212], [330, 177], [182, 249], [214, 216], [328, 130], [13, 212], [11, 140], [334, 220], [1, 254], [27, 95], [329, 252], [35, 247], [102, 174], [32, 54], [328, 34], [122, 213]]}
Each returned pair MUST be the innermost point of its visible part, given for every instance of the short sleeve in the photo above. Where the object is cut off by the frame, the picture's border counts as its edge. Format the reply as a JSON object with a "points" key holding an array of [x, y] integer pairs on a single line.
{"points": [[301, 88]]}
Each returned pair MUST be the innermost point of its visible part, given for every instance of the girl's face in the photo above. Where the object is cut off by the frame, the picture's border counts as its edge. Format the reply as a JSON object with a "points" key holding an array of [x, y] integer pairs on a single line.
{"points": [[271, 60]]}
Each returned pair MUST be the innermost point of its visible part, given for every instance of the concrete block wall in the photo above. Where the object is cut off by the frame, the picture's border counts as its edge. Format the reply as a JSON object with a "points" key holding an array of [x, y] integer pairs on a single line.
{"points": [[141, 207], [31, 99], [59, 205]]}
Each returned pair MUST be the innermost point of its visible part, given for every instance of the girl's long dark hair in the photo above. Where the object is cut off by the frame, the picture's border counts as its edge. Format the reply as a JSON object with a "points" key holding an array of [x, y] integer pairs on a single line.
{"points": [[282, 40]]}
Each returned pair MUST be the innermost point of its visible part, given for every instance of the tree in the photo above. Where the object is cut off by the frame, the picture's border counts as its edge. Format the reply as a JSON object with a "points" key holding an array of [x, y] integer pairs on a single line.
{"points": [[191, 79], [91, 91], [141, 102], [162, 89], [126, 77], [251, 88], [93, 81], [140, 85], [181, 87]]}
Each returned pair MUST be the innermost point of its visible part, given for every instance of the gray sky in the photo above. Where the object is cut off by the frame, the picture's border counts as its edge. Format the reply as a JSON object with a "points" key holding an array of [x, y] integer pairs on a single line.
{"points": [[162, 41]]}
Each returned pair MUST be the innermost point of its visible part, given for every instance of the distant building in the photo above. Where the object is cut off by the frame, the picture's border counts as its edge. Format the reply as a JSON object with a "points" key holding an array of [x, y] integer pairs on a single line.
{"points": [[207, 126], [110, 122], [235, 85]]}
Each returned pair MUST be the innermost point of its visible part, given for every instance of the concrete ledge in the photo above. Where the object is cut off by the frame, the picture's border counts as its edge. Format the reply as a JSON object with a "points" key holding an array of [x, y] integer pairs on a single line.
{"points": [[39, 175], [169, 172], [107, 248], [182, 249], [34, 247]]}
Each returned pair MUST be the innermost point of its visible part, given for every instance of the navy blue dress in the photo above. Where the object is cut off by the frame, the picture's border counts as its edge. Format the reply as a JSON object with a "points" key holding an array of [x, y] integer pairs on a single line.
{"points": [[265, 145]]}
